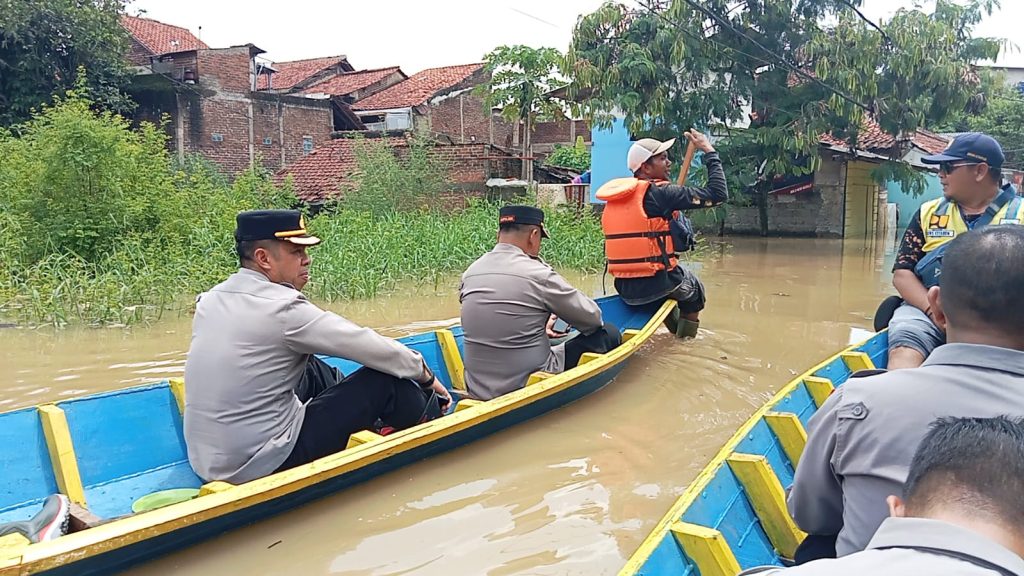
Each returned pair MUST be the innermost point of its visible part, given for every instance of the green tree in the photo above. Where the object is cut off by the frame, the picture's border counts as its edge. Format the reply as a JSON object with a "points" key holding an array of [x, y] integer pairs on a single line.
{"points": [[1003, 119], [520, 84], [805, 68], [43, 43], [576, 157]]}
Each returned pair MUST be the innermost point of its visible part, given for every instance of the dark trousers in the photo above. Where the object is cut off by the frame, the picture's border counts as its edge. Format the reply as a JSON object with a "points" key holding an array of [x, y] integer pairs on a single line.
{"points": [[340, 406], [603, 340], [815, 547]]}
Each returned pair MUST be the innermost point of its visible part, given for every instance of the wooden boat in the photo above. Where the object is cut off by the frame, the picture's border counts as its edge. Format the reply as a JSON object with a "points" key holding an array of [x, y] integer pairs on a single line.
{"points": [[733, 516], [105, 451]]}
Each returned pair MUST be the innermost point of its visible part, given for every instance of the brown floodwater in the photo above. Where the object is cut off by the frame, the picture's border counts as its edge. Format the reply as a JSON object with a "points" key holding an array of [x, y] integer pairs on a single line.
{"points": [[572, 492]]}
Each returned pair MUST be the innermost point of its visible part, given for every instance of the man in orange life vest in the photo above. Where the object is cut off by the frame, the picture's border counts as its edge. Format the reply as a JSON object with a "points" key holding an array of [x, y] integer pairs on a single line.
{"points": [[639, 244]]}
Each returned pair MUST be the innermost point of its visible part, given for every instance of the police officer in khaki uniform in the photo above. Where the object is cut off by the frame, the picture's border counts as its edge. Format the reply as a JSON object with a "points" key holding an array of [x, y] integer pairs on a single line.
{"points": [[257, 400], [510, 300], [961, 511], [861, 441]]}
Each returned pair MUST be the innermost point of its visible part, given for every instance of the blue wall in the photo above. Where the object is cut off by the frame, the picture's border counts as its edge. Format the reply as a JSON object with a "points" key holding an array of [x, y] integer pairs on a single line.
{"points": [[908, 203], [608, 155]]}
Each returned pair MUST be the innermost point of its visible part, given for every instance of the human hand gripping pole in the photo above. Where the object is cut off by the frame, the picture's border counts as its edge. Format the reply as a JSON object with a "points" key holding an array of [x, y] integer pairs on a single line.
{"points": [[684, 168], [695, 141]]}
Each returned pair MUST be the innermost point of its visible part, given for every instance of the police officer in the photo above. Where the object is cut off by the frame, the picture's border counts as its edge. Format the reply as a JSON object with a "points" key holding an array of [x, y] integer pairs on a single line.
{"points": [[510, 301], [972, 198], [256, 399], [959, 512], [860, 442], [637, 221]]}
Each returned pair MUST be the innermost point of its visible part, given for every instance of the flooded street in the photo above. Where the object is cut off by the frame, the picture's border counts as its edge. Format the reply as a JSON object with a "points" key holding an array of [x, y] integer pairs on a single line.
{"points": [[573, 492]]}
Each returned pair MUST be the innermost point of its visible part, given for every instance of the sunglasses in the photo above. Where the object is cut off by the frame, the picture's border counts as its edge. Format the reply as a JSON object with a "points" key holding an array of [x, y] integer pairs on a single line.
{"points": [[950, 167]]}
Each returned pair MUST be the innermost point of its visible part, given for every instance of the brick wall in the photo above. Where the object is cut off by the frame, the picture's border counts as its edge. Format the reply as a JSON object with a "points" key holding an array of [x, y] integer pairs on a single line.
{"points": [[464, 119], [818, 212], [138, 54], [561, 132], [285, 122], [470, 165], [225, 70], [225, 122], [302, 120]]}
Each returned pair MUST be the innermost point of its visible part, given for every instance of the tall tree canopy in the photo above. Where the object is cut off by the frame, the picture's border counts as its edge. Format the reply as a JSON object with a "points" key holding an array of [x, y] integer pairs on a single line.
{"points": [[43, 43], [520, 84], [806, 67]]}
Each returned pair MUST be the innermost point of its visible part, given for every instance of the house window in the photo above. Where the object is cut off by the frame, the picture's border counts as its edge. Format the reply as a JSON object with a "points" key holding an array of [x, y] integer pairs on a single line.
{"points": [[397, 121], [307, 144], [217, 137], [268, 141]]}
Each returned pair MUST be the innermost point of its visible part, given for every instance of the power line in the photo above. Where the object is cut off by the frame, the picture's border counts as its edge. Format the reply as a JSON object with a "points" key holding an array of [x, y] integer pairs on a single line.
{"points": [[778, 59], [851, 6], [708, 40]]}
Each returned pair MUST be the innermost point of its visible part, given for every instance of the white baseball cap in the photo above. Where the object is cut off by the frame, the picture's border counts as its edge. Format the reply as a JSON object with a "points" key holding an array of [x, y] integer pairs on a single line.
{"points": [[644, 149]]}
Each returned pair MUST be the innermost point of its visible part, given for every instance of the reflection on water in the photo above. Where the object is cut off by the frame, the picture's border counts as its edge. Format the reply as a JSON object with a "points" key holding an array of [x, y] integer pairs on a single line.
{"points": [[572, 492]]}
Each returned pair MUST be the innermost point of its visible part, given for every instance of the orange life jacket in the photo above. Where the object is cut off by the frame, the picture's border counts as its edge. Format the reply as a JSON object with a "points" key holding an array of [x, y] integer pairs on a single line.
{"points": [[636, 246]]}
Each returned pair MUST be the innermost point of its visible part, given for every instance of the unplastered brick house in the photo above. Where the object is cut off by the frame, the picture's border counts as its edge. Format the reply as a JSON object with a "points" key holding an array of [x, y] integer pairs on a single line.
{"points": [[330, 171], [438, 101], [212, 101]]}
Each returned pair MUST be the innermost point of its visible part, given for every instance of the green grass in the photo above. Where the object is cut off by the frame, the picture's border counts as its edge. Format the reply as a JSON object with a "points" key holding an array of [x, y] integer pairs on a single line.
{"points": [[363, 255], [100, 226]]}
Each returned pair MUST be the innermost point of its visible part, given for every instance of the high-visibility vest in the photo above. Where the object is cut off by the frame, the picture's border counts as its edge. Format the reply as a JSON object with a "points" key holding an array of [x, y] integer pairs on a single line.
{"points": [[941, 221]]}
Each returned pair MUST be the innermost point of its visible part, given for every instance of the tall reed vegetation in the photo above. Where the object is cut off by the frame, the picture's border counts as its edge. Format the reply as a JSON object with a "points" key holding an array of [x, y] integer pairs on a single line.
{"points": [[99, 225]]}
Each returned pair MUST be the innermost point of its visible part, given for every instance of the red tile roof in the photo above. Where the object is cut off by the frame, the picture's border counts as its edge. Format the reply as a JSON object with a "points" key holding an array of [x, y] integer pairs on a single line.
{"points": [[348, 82], [873, 137], [160, 38], [419, 88], [322, 173], [291, 73], [930, 142]]}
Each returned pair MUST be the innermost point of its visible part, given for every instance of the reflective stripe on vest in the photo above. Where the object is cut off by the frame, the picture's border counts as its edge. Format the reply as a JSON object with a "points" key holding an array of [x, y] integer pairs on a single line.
{"points": [[940, 223], [635, 246]]}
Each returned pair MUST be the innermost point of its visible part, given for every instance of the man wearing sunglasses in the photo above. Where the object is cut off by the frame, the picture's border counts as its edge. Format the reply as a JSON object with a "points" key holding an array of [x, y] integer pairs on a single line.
{"points": [[973, 197]]}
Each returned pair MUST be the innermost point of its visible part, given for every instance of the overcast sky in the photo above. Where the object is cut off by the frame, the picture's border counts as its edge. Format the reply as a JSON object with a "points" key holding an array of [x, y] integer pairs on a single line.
{"points": [[418, 34]]}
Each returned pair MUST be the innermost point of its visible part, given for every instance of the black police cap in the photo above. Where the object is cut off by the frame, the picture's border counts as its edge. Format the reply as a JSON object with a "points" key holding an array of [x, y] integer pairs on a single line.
{"points": [[517, 214], [285, 225]]}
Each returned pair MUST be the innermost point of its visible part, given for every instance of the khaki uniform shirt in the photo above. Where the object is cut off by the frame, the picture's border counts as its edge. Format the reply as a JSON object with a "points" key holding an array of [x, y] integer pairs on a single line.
{"points": [[860, 443], [917, 547], [507, 298], [251, 339]]}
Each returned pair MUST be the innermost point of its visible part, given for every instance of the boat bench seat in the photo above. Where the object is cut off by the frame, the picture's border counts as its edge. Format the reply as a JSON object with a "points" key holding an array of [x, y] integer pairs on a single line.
{"points": [[128, 444], [25, 461]]}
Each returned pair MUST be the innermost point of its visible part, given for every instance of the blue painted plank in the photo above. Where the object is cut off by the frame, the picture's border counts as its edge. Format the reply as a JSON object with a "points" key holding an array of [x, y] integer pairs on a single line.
{"points": [[877, 348], [762, 442], [799, 402], [426, 344], [722, 505], [123, 434], [24, 462], [668, 558], [115, 498]]}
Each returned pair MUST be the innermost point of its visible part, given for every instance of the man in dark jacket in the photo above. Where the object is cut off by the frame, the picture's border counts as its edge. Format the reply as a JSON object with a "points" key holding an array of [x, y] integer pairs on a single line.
{"points": [[639, 244]]}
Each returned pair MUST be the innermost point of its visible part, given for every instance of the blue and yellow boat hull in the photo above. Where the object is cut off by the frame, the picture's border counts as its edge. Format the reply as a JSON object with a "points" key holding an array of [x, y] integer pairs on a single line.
{"points": [[733, 515], [107, 450]]}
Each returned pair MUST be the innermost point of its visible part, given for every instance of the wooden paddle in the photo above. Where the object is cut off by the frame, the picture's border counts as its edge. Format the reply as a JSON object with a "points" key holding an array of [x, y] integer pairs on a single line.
{"points": [[684, 170]]}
